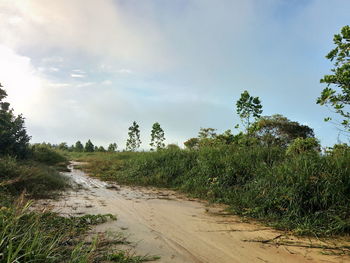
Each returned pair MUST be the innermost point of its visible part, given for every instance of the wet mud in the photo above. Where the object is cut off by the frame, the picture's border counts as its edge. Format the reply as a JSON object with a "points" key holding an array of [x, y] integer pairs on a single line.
{"points": [[179, 229]]}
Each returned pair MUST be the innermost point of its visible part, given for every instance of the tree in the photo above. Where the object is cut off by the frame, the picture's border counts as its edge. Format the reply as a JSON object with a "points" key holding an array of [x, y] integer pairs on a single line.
{"points": [[338, 97], [63, 146], [248, 107], [112, 147], [79, 147], [279, 130], [134, 141], [13, 135], [89, 147], [192, 143], [157, 137], [207, 133], [225, 138], [101, 149]]}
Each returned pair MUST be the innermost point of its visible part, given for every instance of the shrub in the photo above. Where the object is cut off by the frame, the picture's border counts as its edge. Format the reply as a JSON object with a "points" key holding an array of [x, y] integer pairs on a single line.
{"points": [[302, 145], [36, 179], [45, 154]]}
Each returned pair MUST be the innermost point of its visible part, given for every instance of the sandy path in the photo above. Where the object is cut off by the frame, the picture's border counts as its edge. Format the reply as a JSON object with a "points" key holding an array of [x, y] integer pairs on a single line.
{"points": [[164, 223]]}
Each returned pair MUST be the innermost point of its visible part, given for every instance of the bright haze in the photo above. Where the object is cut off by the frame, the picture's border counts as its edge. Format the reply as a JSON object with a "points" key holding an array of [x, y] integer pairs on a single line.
{"points": [[86, 69]]}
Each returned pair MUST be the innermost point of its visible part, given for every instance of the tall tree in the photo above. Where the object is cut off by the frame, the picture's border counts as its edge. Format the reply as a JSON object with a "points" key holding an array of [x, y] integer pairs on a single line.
{"points": [[112, 147], [79, 147], [134, 141], [157, 137], [338, 97], [248, 108], [13, 135], [89, 147]]}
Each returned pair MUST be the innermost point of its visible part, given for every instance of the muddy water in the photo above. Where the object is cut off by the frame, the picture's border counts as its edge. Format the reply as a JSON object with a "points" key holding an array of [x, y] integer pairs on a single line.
{"points": [[161, 222]]}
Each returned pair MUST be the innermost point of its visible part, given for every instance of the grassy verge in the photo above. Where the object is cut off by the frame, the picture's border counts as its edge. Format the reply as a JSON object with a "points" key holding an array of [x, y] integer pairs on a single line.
{"points": [[31, 236], [306, 193], [27, 236]]}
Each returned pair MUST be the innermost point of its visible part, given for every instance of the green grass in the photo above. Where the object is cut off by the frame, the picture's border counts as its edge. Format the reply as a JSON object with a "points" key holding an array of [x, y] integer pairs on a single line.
{"points": [[27, 236], [30, 236], [306, 193], [36, 179]]}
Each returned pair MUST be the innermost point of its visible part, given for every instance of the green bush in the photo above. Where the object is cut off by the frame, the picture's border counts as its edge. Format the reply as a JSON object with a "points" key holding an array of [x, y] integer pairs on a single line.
{"points": [[36, 179], [44, 154], [302, 145]]}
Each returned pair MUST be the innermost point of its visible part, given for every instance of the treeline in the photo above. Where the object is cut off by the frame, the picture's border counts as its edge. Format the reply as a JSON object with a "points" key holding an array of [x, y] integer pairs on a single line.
{"points": [[78, 147], [133, 142]]}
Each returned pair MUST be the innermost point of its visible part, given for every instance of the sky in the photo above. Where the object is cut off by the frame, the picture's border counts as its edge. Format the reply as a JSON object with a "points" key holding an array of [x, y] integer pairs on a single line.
{"points": [[86, 69]]}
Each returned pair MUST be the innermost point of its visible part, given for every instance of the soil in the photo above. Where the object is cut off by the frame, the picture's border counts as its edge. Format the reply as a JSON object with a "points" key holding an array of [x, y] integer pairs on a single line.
{"points": [[179, 229]]}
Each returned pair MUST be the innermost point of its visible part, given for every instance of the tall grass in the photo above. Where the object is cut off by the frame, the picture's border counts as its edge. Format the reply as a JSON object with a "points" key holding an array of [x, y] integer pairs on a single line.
{"points": [[37, 179], [29, 236], [308, 193]]}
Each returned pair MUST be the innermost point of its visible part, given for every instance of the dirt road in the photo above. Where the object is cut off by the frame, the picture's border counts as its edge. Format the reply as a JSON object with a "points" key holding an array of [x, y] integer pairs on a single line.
{"points": [[164, 223]]}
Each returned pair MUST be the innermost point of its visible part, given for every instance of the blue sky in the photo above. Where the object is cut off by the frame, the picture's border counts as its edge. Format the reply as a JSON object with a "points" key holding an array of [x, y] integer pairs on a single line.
{"points": [[86, 69]]}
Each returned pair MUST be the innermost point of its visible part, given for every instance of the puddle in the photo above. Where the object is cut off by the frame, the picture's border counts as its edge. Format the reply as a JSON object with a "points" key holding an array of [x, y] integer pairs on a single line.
{"points": [[164, 223]]}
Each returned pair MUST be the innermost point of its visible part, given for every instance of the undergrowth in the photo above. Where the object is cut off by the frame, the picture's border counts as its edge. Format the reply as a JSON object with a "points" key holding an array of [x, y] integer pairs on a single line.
{"points": [[307, 193]]}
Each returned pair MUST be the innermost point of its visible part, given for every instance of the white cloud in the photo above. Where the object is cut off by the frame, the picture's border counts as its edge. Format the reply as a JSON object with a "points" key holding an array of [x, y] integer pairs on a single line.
{"points": [[21, 80], [77, 75], [101, 28], [79, 71]]}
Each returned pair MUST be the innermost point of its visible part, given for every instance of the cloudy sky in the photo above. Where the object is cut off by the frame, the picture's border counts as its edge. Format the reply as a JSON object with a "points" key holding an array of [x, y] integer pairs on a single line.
{"points": [[86, 68]]}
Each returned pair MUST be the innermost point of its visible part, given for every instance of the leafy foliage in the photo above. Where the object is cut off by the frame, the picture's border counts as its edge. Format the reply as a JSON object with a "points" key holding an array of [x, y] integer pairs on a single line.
{"points": [[278, 130], [192, 143], [339, 97], [301, 145], [45, 154], [112, 147], [89, 147], [157, 137], [248, 107], [79, 147], [13, 136], [134, 141]]}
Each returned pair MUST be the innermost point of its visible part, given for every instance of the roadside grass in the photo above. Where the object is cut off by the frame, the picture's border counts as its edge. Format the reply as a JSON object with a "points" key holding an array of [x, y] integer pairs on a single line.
{"points": [[36, 179], [306, 193], [28, 235]]}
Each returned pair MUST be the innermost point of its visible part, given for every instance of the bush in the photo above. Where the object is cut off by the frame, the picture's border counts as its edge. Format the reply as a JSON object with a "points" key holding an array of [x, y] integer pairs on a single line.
{"points": [[36, 179], [44, 154], [301, 145]]}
